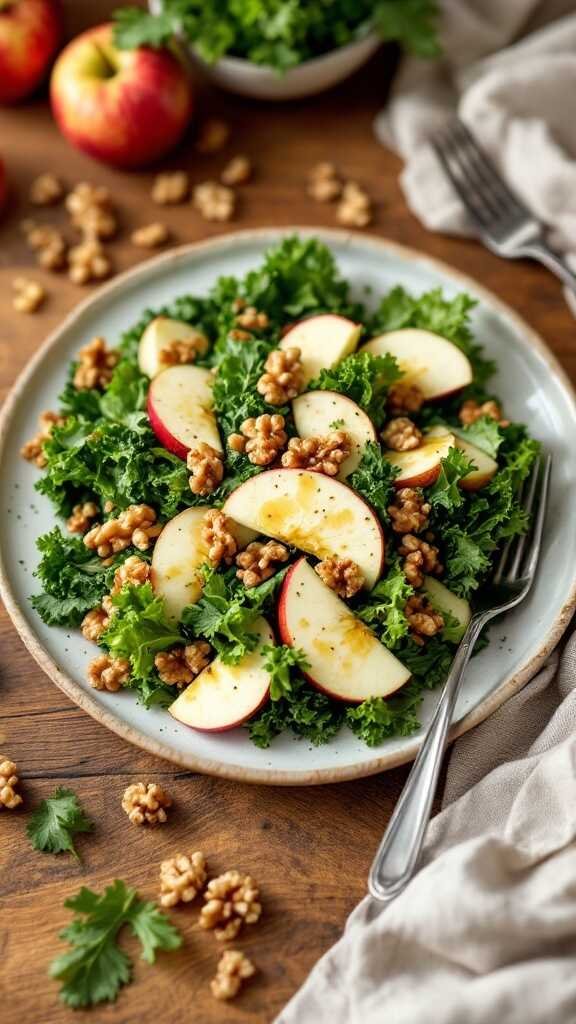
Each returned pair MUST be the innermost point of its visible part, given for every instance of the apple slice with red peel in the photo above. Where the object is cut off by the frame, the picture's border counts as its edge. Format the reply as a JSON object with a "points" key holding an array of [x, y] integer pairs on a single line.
{"points": [[313, 512], [158, 337], [323, 341], [225, 696], [484, 465], [443, 600], [437, 366], [345, 659], [180, 409], [421, 466], [319, 412]]}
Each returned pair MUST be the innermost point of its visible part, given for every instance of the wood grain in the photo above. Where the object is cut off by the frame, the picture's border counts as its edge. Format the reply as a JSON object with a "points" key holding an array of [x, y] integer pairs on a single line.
{"points": [[309, 849]]}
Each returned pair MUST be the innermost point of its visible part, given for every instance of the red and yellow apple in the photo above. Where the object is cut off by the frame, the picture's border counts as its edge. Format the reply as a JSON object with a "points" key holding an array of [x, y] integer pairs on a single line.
{"points": [[30, 33], [125, 107], [421, 466], [180, 409]]}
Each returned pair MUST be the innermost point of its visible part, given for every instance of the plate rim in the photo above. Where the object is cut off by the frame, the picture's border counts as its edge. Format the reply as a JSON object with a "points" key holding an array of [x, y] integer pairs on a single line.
{"points": [[204, 765]]}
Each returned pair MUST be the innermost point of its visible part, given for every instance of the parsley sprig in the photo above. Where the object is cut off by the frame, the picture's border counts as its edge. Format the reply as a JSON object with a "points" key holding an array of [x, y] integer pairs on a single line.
{"points": [[54, 823]]}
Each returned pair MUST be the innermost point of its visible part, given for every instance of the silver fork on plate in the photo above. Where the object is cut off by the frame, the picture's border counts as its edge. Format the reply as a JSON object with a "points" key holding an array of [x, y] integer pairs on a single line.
{"points": [[502, 221], [397, 857]]}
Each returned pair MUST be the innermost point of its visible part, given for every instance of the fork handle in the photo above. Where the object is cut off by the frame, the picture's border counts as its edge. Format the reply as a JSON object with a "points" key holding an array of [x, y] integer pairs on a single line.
{"points": [[542, 252], [398, 853]]}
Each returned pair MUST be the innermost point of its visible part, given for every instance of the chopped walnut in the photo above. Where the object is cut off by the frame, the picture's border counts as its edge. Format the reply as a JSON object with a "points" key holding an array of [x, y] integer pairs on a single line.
{"points": [[261, 438], [354, 209], [402, 435], [82, 516], [94, 624], [170, 188], [213, 136], [217, 536], [260, 561], [107, 673], [134, 571], [91, 210], [28, 295], [231, 900], [403, 398], [424, 621], [181, 878], [146, 804], [46, 190], [214, 201], [419, 557], [33, 450], [470, 411], [342, 575], [283, 377], [9, 798], [409, 511], [237, 171], [185, 351], [48, 243], [88, 262], [324, 183], [251, 319], [151, 236], [181, 665], [233, 968], [96, 364], [321, 454], [206, 468], [136, 525]]}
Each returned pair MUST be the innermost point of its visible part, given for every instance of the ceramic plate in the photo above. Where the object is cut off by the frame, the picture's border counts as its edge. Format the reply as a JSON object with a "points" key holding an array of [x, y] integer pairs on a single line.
{"points": [[534, 389]]}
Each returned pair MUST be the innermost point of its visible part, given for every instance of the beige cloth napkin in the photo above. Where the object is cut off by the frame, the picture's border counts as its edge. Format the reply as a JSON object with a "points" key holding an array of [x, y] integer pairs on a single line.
{"points": [[486, 932], [510, 72]]}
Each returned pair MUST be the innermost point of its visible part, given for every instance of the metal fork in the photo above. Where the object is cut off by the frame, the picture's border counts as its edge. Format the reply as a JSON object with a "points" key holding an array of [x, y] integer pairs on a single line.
{"points": [[502, 221], [399, 851]]}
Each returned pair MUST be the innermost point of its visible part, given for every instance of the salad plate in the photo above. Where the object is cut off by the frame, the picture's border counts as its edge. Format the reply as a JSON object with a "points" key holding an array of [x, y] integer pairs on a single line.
{"points": [[531, 384]]}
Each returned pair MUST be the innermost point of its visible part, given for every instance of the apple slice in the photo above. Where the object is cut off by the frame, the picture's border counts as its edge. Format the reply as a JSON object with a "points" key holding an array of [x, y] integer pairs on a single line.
{"points": [[485, 465], [421, 466], [158, 337], [224, 696], [323, 341], [437, 366], [317, 412], [312, 512], [345, 658], [180, 409], [445, 601]]}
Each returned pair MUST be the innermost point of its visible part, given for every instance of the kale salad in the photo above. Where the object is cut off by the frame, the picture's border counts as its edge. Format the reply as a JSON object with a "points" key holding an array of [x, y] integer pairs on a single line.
{"points": [[277, 501]]}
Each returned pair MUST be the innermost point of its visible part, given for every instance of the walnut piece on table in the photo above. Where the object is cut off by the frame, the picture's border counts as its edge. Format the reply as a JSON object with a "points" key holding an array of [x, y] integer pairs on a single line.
{"points": [[33, 450], [342, 575], [150, 236], [9, 781], [232, 900], [48, 243], [233, 968], [258, 562], [146, 803], [261, 438], [88, 262], [170, 188], [213, 136], [237, 171], [214, 201], [46, 190], [182, 877], [324, 183], [91, 211], [29, 295], [321, 454], [354, 209], [401, 434], [282, 379]]}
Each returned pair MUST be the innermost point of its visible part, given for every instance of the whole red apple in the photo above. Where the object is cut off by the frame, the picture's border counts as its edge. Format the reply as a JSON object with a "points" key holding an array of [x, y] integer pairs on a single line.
{"points": [[125, 107], [30, 31]]}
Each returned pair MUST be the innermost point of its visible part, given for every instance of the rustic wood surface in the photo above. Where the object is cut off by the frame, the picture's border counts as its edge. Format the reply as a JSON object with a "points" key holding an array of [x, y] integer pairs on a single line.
{"points": [[310, 849]]}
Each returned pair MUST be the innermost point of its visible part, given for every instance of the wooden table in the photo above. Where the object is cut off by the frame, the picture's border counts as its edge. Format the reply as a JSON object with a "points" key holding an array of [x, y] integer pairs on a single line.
{"points": [[310, 849]]}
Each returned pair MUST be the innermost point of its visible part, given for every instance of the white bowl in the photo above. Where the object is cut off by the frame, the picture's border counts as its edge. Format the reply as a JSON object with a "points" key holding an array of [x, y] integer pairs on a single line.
{"points": [[263, 83]]}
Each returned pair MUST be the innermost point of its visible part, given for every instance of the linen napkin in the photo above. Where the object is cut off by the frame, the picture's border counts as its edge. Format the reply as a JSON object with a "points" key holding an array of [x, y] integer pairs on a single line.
{"points": [[486, 932], [509, 71]]}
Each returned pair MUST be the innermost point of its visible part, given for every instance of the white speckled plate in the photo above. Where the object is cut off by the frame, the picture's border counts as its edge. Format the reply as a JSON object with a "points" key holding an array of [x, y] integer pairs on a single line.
{"points": [[534, 389]]}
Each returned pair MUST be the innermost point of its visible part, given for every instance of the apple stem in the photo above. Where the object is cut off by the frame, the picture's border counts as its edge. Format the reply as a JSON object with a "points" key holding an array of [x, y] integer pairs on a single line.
{"points": [[108, 67]]}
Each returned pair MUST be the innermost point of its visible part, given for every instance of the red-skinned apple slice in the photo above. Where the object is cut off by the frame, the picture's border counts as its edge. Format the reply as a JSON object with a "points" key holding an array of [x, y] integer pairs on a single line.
{"points": [[312, 512], [317, 412], [437, 366], [180, 409], [420, 467], [444, 600], [225, 696], [178, 554], [345, 659], [323, 341], [485, 465], [158, 337]]}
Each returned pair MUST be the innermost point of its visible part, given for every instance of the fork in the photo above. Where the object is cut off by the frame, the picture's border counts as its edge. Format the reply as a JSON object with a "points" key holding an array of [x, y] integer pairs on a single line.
{"points": [[502, 221], [398, 854]]}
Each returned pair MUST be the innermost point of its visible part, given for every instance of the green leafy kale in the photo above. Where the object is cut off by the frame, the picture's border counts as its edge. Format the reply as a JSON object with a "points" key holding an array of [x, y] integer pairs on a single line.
{"points": [[95, 968], [485, 434], [446, 492], [52, 825], [73, 578], [383, 607], [303, 711], [373, 479], [364, 378], [376, 719], [278, 661], [234, 390]]}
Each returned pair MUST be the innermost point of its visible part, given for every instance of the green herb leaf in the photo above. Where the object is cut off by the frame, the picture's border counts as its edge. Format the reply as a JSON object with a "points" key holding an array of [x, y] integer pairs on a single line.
{"points": [[136, 28], [376, 719], [446, 493], [373, 479], [278, 661], [484, 433], [52, 825], [383, 608], [139, 629], [305, 712], [73, 578], [364, 378]]}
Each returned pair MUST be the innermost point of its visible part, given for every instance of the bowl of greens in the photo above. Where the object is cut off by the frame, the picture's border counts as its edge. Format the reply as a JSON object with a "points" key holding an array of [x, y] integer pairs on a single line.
{"points": [[280, 51]]}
